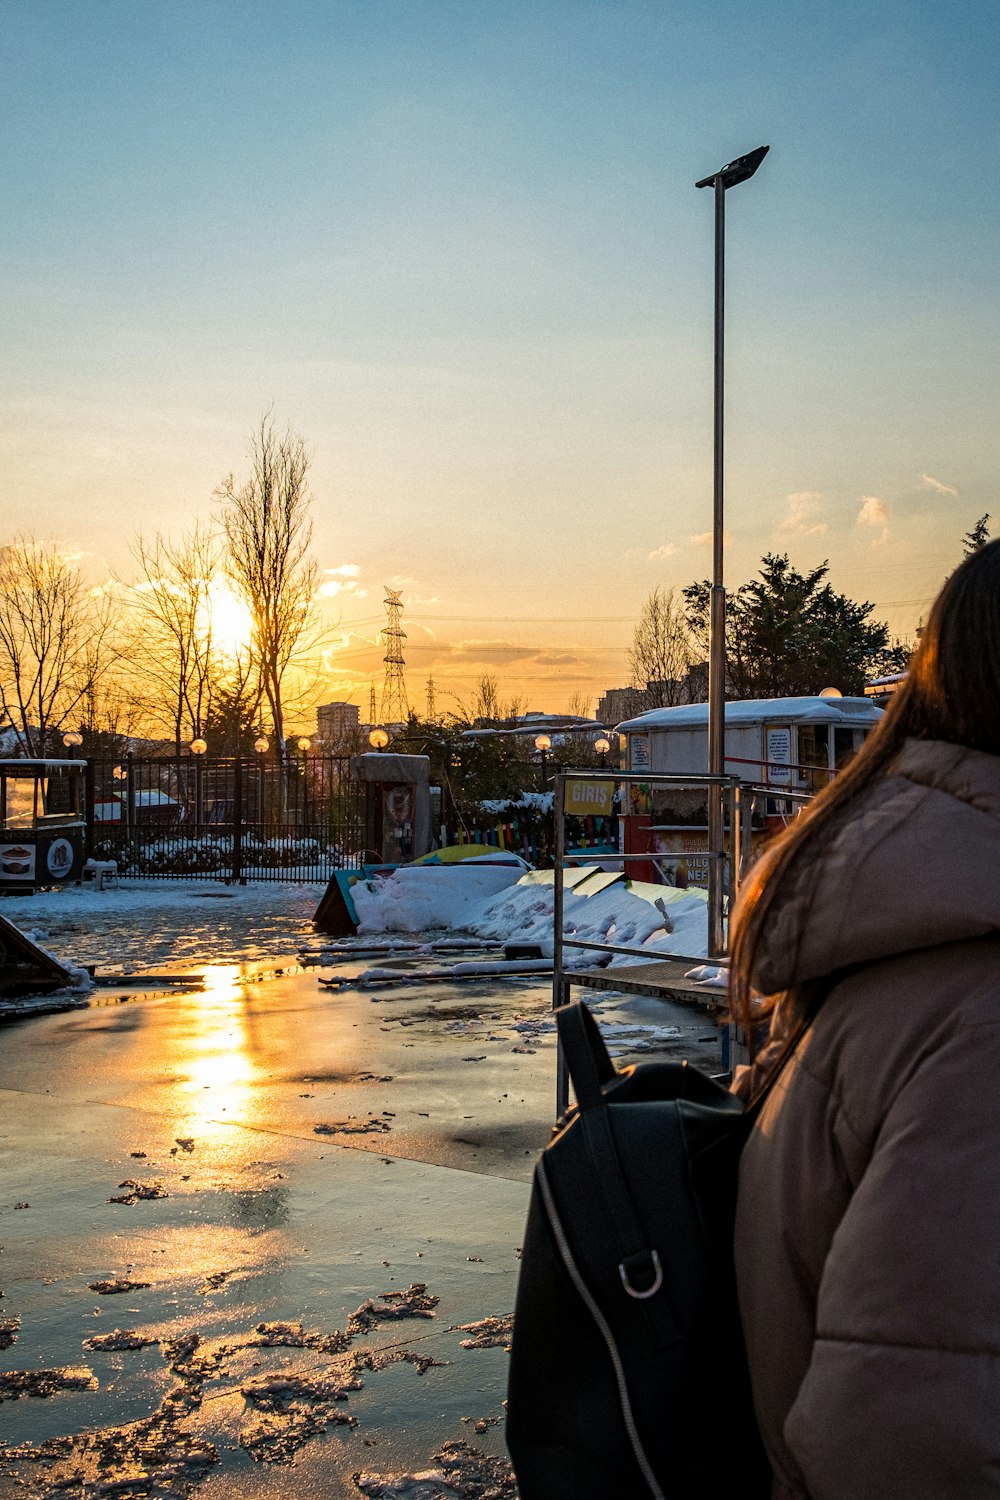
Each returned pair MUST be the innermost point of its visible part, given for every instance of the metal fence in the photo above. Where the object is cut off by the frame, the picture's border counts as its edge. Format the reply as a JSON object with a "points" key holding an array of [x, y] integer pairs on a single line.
{"points": [[234, 819]]}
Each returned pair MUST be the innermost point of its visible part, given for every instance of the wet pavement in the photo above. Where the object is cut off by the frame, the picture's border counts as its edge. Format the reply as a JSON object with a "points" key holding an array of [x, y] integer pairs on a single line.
{"points": [[250, 1227]]}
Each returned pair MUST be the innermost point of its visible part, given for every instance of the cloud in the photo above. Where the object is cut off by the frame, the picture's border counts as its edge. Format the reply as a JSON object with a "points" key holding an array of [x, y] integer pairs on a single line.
{"points": [[800, 518], [667, 550], [342, 580], [703, 539], [557, 659], [873, 512], [935, 484]]}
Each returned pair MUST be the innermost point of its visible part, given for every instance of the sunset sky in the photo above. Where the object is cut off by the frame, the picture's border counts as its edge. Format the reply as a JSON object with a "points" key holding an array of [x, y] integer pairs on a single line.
{"points": [[457, 245]]}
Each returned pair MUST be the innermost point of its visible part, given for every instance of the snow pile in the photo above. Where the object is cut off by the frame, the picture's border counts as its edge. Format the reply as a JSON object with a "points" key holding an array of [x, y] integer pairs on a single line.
{"points": [[676, 923], [710, 976], [500, 904], [422, 898]]}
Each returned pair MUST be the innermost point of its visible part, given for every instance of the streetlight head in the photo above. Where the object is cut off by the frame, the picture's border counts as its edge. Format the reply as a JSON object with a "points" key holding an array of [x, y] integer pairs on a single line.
{"points": [[736, 171], [198, 747], [543, 742], [378, 739], [261, 745], [602, 746], [304, 744]]}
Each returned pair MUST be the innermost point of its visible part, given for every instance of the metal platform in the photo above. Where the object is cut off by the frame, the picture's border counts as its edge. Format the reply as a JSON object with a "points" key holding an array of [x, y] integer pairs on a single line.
{"points": [[663, 979]]}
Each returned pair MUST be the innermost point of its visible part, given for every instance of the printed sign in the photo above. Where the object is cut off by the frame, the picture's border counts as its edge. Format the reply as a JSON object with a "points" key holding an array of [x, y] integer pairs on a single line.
{"points": [[639, 759], [17, 862], [779, 755], [589, 799], [60, 858], [686, 861]]}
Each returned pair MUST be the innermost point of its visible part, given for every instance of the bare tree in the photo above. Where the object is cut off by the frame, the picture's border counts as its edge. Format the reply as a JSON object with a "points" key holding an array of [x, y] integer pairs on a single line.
{"points": [[109, 705], [49, 632], [661, 652], [268, 531], [579, 705], [174, 652]]}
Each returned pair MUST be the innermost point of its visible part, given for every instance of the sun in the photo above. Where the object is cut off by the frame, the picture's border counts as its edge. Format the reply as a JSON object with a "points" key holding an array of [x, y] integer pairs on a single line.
{"points": [[228, 619]]}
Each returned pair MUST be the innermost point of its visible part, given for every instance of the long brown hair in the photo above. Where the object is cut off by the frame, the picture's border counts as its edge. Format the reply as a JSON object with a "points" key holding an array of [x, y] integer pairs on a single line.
{"points": [[952, 693]]}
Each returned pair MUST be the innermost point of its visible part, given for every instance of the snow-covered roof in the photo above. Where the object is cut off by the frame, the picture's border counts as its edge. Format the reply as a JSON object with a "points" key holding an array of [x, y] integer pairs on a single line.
{"points": [[40, 766], [759, 711]]}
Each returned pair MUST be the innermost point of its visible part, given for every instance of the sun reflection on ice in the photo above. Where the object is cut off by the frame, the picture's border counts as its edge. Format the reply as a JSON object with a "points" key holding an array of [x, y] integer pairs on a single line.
{"points": [[215, 1065]]}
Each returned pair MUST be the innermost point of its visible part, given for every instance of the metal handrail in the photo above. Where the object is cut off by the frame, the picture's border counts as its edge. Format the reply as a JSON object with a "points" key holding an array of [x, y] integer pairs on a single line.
{"points": [[741, 795], [654, 957]]}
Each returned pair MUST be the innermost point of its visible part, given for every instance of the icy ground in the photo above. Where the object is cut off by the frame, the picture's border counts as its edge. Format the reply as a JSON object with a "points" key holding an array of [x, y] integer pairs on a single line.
{"points": [[259, 1238], [134, 926]]}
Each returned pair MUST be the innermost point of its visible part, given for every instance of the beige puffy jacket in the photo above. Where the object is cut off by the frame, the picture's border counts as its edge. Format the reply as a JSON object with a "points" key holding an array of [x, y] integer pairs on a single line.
{"points": [[868, 1226]]}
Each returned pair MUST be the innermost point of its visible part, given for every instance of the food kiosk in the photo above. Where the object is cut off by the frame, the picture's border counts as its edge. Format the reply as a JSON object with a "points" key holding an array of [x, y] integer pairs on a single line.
{"points": [[42, 824]]}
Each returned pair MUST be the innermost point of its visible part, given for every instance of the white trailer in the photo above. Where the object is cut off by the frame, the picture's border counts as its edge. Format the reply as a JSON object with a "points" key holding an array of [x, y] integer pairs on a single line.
{"points": [[795, 743]]}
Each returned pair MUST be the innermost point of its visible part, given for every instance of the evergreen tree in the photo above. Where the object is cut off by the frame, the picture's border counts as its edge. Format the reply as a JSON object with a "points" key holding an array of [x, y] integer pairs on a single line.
{"points": [[790, 634], [978, 536]]}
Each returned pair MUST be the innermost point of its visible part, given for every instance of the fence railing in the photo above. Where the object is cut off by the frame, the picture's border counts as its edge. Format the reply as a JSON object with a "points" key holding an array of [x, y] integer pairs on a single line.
{"points": [[230, 818]]}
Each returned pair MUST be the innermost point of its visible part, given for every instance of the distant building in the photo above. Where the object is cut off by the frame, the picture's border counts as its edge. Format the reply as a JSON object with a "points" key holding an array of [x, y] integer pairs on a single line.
{"points": [[338, 726], [617, 704], [881, 689], [623, 703]]}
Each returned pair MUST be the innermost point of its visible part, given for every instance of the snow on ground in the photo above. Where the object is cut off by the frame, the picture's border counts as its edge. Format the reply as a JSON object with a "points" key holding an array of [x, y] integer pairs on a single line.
{"points": [[134, 926], [495, 904]]}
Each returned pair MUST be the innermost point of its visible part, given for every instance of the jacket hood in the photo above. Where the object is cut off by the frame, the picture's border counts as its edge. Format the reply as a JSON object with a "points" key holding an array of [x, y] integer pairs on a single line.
{"points": [[913, 863]]}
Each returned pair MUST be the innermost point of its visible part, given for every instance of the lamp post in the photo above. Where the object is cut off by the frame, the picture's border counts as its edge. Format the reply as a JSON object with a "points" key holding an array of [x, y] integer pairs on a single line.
{"points": [[543, 744], [602, 746], [378, 739], [72, 740], [304, 744], [261, 745], [734, 172], [198, 748]]}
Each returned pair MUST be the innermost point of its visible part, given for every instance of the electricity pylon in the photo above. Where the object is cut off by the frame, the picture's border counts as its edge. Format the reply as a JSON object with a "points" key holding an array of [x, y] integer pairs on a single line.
{"points": [[395, 709]]}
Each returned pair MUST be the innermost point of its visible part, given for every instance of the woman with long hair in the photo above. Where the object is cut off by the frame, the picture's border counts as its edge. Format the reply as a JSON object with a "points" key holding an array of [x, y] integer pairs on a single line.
{"points": [[868, 1224]]}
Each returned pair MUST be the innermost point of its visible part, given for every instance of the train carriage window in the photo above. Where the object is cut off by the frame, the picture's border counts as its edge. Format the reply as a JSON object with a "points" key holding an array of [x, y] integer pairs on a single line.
{"points": [[814, 751], [846, 744]]}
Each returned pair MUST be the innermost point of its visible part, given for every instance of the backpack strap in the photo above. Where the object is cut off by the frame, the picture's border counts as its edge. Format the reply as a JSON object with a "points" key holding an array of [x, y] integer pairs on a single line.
{"points": [[587, 1059], [639, 1265]]}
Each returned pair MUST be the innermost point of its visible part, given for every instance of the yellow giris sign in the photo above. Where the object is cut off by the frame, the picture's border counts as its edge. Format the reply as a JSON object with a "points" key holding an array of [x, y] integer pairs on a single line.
{"points": [[589, 799]]}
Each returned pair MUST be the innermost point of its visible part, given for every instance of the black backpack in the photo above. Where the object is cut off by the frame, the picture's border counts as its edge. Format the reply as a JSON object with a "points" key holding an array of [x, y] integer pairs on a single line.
{"points": [[628, 1374]]}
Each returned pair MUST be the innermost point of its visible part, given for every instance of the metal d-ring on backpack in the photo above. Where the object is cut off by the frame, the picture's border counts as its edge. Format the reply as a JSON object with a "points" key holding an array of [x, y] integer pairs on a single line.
{"points": [[628, 1376]]}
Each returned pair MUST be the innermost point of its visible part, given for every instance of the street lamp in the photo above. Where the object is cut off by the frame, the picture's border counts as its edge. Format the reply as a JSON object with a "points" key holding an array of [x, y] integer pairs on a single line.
{"points": [[262, 745], [378, 739], [602, 746], [734, 172], [72, 740], [304, 743], [543, 745], [198, 748]]}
